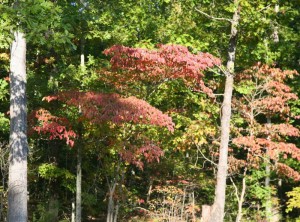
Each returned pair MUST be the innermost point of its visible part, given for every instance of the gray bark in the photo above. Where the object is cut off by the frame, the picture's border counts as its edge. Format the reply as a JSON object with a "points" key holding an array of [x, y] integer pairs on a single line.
{"points": [[79, 173], [111, 217], [78, 184], [17, 180], [217, 212]]}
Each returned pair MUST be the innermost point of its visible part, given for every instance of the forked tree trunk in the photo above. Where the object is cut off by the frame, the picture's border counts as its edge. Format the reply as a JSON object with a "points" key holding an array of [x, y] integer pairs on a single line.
{"points": [[241, 198], [217, 211], [111, 217], [17, 180]]}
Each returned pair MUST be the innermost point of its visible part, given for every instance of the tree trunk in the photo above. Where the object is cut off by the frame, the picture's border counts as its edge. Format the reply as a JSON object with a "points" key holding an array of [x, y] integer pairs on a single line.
{"points": [[217, 211], [241, 199], [73, 212], [267, 181], [79, 149], [111, 203], [79, 173], [78, 184], [17, 181]]}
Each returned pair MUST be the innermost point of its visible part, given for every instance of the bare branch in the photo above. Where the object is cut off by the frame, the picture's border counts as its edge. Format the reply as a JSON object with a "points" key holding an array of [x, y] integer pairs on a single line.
{"points": [[212, 17], [199, 150]]}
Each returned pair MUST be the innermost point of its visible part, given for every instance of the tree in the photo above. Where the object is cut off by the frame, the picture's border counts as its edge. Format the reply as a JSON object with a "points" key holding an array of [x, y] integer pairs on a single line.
{"points": [[99, 108], [217, 210], [17, 184], [265, 96], [159, 65]]}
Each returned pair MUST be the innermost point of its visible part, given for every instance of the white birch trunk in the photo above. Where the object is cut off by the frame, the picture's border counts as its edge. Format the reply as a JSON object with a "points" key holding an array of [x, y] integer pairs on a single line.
{"points": [[17, 181]]}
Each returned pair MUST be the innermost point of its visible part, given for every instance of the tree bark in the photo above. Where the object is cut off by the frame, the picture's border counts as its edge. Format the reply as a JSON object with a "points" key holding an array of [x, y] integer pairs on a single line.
{"points": [[79, 148], [79, 174], [17, 180], [217, 212], [267, 180], [241, 199], [78, 184], [111, 203]]}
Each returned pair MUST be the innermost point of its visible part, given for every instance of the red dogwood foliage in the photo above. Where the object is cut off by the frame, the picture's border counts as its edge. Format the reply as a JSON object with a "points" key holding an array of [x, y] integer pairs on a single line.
{"points": [[134, 154], [55, 126], [166, 62], [101, 107], [98, 108], [267, 96]]}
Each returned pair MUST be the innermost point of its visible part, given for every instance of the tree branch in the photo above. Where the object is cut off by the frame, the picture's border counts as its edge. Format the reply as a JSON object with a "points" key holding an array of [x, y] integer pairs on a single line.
{"points": [[199, 150], [212, 17]]}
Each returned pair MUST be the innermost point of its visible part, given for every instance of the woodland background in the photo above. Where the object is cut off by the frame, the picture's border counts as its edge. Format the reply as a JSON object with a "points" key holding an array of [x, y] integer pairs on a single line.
{"points": [[146, 136]]}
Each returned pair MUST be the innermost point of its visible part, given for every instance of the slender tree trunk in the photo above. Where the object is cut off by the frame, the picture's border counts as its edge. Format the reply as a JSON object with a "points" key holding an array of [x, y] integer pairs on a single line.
{"points": [[79, 173], [269, 206], [79, 150], [217, 212], [111, 203], [241, 199], [82, 56], [78, 184], [73, 212], [17, 180], [267, 181]]}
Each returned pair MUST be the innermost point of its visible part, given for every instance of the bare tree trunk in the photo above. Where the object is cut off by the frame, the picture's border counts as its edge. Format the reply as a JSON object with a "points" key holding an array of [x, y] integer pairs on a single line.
{"points": [[79, 173], [267, 180], [241, 199], [78, 184], [17, 180], [217, 212], [111, 203], [79, 149]]}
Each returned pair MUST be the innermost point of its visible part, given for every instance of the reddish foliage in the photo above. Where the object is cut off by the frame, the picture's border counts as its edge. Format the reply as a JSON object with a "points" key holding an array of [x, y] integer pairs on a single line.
{"points": [[264, 72], [271, 93], [134, 155], [258, 145], [54, 126], [279, 130], [287, 171], [166, 62], [269, 97], [100, 107]]}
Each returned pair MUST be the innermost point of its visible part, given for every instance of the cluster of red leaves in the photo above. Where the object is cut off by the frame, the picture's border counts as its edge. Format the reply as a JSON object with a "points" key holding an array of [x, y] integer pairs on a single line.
{"points": [[149, 151], [166, 62], [278, 131], [288, 171], [54, 126], [272, 94], [101, 107], [257, 146], [262, 72]]}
